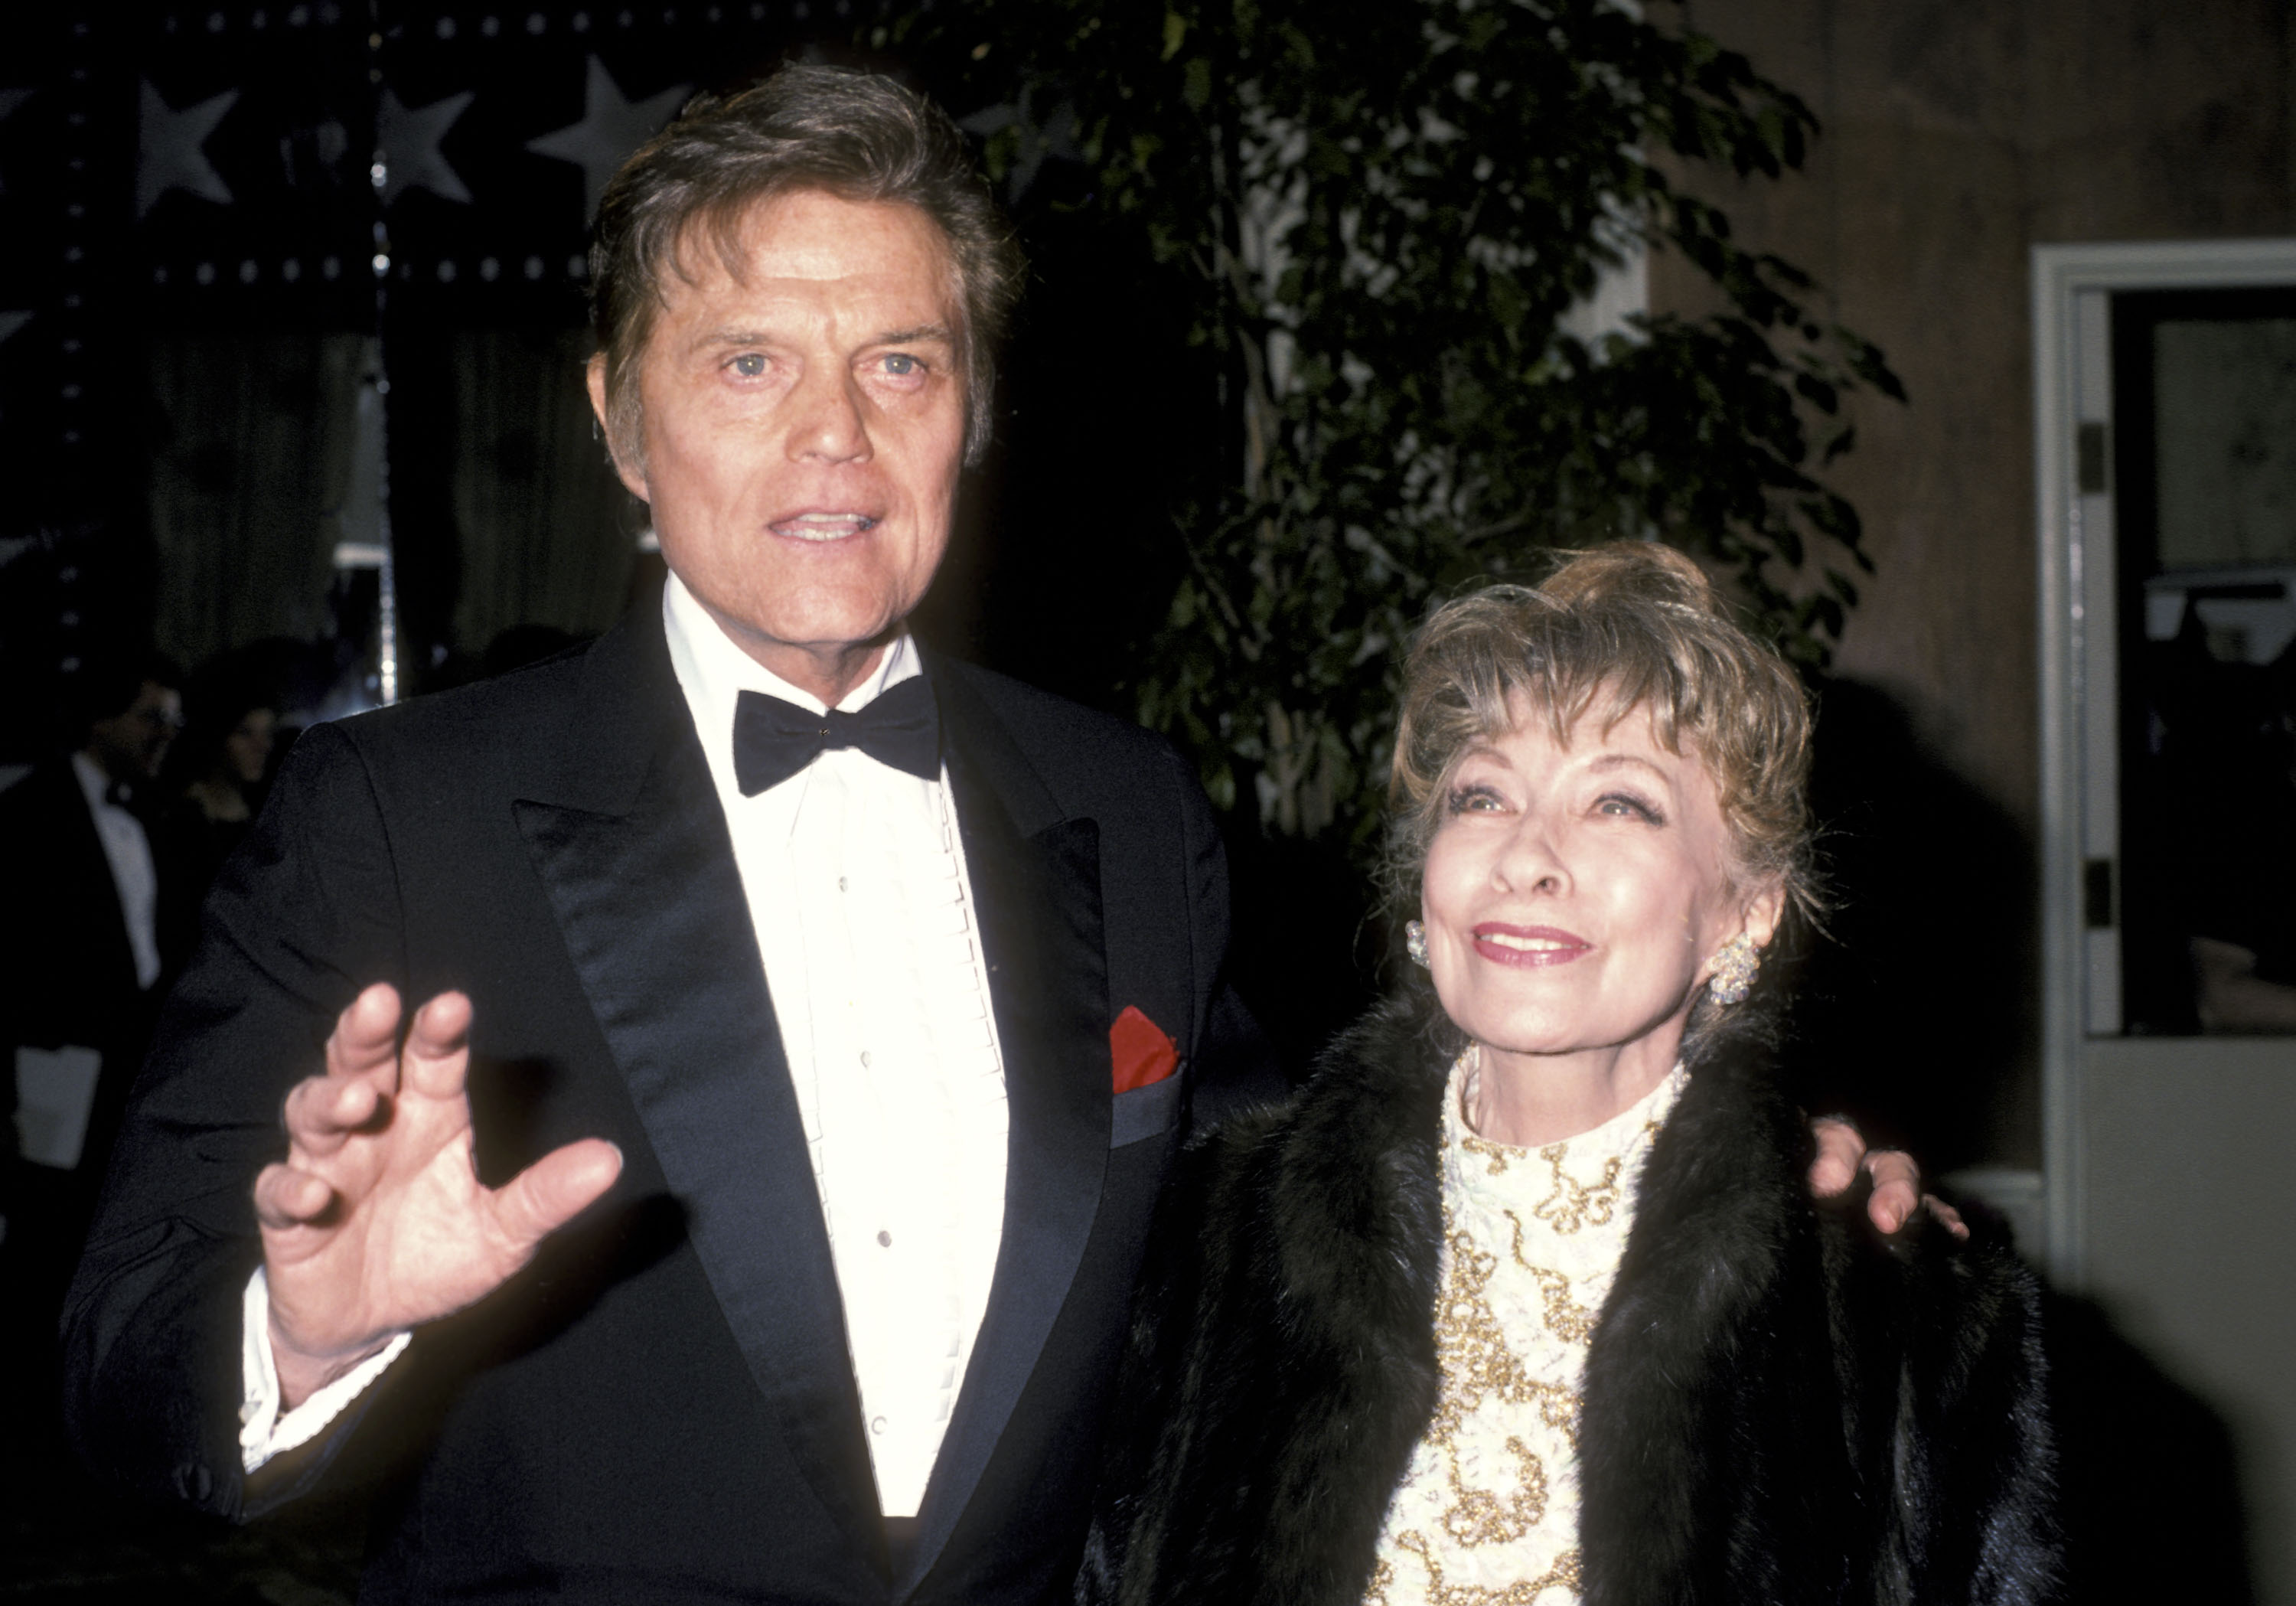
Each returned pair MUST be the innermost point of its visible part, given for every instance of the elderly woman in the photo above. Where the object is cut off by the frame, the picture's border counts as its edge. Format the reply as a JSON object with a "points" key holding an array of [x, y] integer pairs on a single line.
{"points": [[1521, 1298]]}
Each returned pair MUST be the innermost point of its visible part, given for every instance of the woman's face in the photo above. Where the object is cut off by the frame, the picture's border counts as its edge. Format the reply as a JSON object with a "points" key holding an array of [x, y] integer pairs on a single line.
{"points": [[1575, 894], [247, 750]]}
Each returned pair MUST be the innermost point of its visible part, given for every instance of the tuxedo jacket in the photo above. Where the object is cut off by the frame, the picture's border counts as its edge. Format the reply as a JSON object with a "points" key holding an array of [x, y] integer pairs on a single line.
{"points": [[662, 1408], [67, 975], [67, 971]]}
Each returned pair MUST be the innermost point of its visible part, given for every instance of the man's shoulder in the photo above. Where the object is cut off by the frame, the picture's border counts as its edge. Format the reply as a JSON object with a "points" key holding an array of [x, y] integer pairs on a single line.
{"points": [[1057, 731], [491, 722]]}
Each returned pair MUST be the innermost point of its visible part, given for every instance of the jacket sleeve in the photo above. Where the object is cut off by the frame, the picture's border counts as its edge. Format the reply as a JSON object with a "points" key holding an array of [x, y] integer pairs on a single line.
{"points": [[1236, 1066], [1150, 1423], [303, 917], [1971, 1451]]}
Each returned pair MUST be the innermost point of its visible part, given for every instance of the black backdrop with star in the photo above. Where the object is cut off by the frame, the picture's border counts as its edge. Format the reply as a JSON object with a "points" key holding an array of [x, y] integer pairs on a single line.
{"points": [[221, 219], [224, 219]]}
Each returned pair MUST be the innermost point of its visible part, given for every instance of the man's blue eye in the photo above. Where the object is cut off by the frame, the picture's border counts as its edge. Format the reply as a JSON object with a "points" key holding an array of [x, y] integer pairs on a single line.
{"points": [[749, 365], [900, 363]]}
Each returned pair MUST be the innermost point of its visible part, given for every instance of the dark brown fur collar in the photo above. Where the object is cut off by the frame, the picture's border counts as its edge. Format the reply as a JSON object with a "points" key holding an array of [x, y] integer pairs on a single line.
{"points": [[1776, 1398]]}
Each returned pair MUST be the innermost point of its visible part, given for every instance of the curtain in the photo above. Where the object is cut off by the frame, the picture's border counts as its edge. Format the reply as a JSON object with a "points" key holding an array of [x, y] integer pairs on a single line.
{"points": [[546, 533], [251, 452]]}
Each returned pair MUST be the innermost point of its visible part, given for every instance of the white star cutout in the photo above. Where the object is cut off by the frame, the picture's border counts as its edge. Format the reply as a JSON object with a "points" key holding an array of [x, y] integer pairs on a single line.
{"points": [[409, 138], [611, 128], [170, 150]]}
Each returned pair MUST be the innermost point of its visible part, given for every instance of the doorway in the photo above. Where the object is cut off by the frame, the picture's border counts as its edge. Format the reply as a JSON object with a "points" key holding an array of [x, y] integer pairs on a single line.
{"points": [[2165, 459]]}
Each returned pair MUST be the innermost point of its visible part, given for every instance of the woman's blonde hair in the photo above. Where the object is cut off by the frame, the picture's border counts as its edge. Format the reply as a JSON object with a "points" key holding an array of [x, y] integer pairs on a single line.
{"points": [[1626, 627]]}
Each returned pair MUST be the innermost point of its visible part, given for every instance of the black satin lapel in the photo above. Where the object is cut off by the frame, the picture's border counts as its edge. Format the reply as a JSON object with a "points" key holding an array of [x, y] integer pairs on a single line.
{"points": [[652, 913], [1037, 898]]}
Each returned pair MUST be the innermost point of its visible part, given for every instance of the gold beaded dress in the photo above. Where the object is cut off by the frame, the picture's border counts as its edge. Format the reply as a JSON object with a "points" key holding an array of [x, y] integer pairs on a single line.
{"points": [[1487, 1514]]}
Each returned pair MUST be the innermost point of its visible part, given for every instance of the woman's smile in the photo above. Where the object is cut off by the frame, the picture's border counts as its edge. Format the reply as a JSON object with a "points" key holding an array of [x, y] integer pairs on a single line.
{"points": [[1573, 897], [1527, 945]]}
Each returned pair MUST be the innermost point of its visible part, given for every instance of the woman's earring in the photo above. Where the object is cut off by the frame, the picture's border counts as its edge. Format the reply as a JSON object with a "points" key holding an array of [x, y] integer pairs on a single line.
{"points": [[1414, 942], [1734, 968]]}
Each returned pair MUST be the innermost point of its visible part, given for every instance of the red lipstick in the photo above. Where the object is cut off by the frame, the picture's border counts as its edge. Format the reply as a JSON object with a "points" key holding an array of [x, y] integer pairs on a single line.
{"points": [[1527, 946]]}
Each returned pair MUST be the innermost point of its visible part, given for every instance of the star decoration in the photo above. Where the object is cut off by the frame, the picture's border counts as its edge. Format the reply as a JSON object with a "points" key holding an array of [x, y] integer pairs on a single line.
{"points": [[171, 149], [409, 137], [611, 128]]}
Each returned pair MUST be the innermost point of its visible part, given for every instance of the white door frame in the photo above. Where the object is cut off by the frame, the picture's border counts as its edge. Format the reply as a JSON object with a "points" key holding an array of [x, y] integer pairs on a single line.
{"points": [[2079, 719]]}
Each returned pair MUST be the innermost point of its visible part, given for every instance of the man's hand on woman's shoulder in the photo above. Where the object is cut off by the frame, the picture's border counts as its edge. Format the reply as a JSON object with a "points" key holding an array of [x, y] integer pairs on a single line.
{"points": [[1841, 1154]]}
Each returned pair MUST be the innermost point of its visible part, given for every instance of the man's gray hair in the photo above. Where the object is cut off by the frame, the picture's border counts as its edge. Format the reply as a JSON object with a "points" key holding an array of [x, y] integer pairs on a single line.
{"points": [[858, 136]]}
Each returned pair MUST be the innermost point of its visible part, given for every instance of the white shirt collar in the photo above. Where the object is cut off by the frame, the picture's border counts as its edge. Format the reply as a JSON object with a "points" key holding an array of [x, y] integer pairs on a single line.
{"points": [[713, 672], [94, 784]]}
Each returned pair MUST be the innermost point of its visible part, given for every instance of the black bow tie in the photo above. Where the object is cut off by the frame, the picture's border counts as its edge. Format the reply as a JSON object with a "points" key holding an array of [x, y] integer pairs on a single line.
{"points": [[774, 739]]}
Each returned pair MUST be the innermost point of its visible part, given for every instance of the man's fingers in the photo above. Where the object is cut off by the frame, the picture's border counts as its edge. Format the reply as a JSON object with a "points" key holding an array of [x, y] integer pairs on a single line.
{"points": [[287, 1198], [554, 1190], [1947, 1215], [438, 1046], [1897, 1188], [1840, 1148], [366, 1033], [1897, 1179], [323, 1111]]}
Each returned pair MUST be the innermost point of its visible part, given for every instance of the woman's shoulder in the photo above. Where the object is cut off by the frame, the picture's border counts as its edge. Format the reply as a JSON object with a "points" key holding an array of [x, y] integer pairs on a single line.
{"points": [[1378, 1084], [1336, 1184], [1945, 1304]]}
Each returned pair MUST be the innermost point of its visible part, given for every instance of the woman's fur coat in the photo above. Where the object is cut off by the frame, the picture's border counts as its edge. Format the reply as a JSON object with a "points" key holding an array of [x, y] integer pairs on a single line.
{"points": [[1781, 1404]]}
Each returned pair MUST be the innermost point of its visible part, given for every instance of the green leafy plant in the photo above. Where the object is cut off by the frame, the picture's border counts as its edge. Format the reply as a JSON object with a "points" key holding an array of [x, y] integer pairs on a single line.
{"points": [[1387, 221]]}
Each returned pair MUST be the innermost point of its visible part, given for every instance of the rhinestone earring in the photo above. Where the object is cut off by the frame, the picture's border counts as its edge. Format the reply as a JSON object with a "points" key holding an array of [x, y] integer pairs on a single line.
{"points": [[1734, 968], [1414, 942]]}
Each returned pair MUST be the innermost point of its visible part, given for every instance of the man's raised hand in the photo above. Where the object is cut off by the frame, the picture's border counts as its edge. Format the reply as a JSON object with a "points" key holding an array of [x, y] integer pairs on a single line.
{"points": [[377, 1223]]}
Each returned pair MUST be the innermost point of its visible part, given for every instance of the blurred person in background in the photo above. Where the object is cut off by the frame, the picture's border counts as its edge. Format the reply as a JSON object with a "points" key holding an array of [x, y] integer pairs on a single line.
{"points": [[80, 964], [220, 767]]}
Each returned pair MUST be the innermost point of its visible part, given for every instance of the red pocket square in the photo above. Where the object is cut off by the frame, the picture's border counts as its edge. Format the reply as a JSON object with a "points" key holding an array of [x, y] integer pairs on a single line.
{"points": [[1142, 1054]]}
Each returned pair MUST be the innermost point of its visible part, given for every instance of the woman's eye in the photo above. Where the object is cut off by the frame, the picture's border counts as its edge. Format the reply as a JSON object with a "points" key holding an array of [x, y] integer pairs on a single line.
{"points": [[1618, 807], [750, 364], [1474, 800]]}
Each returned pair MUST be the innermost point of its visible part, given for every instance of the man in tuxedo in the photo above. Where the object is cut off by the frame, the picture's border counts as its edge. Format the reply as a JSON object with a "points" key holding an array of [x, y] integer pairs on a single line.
{"points": [[80, 956], [857, 996], [852, 999]]}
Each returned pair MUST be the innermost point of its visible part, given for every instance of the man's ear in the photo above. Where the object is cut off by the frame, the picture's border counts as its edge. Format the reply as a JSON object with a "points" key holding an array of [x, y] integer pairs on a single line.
{"points": [[630, 476]]}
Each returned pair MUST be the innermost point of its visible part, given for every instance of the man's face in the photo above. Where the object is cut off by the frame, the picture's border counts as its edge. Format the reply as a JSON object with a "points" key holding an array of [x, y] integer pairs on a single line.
{"points": [[804, 427], [133, 744]]}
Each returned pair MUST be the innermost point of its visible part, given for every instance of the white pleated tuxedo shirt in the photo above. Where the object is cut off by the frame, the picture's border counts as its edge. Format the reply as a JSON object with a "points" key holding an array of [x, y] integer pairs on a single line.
{"points": [[128, 852], [856, 887], [857, 891]]}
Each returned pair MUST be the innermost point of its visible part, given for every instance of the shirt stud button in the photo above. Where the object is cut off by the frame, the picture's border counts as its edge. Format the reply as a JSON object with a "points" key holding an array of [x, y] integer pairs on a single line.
{"points": [[877, 1424], [865, 1059], [885, 1239]]}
